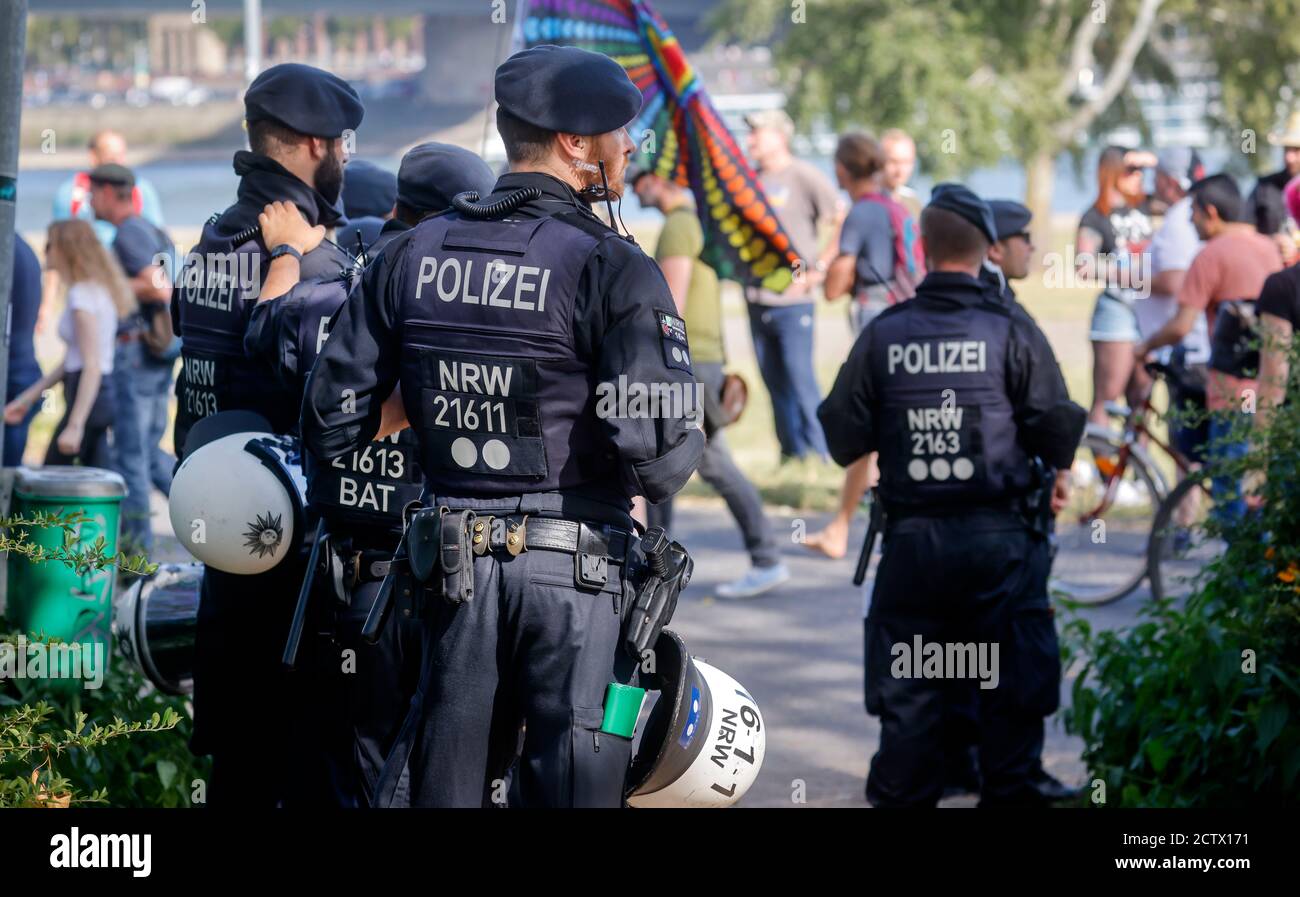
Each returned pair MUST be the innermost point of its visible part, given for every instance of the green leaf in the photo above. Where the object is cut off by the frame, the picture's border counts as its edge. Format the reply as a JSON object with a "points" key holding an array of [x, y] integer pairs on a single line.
{"points": [[1158, 754], [1271, 720]]}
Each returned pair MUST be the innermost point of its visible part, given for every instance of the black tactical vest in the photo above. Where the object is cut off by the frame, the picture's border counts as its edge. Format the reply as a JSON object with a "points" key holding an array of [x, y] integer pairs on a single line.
{"points": [[947, 431], [493, 385], [369, 487], [218, 288]]}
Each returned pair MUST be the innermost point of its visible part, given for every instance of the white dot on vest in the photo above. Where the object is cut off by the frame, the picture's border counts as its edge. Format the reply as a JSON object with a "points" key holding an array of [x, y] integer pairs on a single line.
{"points": [[463, 452], [496, 454]]}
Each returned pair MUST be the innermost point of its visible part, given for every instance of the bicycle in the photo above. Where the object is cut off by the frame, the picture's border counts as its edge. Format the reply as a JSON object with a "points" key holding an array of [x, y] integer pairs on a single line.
{"points": [[1104, 534], [1181, 546]]}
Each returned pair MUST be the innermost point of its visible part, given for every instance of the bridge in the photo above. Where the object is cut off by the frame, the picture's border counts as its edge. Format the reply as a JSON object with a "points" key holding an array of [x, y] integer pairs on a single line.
{"points": [[458, 34]]}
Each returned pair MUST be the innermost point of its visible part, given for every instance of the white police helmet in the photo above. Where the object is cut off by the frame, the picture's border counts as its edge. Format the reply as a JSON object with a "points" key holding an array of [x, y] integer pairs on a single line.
{"points": [[154, 623], [704, 741], [237, 502]]}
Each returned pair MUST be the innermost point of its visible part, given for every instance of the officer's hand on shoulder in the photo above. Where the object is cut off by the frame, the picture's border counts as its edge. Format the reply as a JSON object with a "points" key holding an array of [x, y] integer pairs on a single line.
{"points": [[282, 223]]}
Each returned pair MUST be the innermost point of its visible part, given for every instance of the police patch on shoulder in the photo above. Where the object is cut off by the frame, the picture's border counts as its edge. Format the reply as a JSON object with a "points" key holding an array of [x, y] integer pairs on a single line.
{"points": [[672, 331]]}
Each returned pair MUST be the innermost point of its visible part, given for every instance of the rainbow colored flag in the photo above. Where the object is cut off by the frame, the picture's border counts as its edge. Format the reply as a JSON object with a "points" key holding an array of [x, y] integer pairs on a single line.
{"points": [[679, 133]]}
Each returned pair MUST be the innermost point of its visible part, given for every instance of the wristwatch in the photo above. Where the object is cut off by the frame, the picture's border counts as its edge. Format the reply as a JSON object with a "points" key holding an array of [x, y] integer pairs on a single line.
{"points": [[285, 249]]}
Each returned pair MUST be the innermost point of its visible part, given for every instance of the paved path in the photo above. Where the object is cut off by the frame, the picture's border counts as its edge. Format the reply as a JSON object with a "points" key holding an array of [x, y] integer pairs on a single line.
{"points": [[799, 651]]}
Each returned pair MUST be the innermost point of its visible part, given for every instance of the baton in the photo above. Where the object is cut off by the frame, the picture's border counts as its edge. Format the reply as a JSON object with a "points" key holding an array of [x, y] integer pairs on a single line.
{"points": [[869, 542], [290, 657]]}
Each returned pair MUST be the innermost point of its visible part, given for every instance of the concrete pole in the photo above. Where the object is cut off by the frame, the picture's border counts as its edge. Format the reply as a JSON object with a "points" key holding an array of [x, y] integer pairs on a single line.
{"points": [[252, 39], [13, 39]]}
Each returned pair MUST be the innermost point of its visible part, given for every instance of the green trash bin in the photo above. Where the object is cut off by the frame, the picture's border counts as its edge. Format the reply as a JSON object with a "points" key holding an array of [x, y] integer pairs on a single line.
{"points": [[52, 598]]}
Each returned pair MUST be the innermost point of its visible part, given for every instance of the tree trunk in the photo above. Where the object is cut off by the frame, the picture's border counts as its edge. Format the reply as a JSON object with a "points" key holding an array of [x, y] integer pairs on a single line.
{"points": [[1040, 179]]}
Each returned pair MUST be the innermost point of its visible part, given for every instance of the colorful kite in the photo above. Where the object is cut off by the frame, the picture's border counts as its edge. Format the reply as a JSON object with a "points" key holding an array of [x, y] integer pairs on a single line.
{"points": [[681, 136]]}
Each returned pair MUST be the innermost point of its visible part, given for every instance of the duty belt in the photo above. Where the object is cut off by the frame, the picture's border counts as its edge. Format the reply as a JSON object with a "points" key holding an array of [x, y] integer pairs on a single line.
{"points": [[443, 542]]}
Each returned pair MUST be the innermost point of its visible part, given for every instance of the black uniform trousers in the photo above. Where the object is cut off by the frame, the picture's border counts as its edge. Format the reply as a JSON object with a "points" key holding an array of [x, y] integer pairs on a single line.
{"points": [[978, 578], [361, 692], [248, 712], [530, 649]]}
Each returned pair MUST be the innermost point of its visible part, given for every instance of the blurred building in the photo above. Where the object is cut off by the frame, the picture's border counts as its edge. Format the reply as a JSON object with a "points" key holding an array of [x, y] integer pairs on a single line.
{"points": [[177, 46]]}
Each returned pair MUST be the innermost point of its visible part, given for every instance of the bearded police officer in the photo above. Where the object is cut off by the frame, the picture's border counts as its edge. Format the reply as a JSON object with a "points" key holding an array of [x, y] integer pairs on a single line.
{"points": [[958, 395], [508, 323], [361, 692], [297, 116]]}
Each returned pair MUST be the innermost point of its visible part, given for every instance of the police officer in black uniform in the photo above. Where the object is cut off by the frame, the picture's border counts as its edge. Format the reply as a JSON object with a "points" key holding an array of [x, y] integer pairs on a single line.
{"points": [[503, 321], [958, 395], [360, 697], [297, 116]]}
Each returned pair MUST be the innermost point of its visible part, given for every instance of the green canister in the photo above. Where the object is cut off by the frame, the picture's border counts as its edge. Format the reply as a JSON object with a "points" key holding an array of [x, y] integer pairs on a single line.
{"points": [[53, 598], [622, 707]]}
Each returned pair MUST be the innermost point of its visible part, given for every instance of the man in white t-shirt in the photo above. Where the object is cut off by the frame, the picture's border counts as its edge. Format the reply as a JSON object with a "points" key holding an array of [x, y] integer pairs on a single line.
{"points": [[1173, 247]]}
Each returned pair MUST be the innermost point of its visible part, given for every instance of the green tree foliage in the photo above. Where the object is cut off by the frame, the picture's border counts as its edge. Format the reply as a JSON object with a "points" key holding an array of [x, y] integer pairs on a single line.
{"points": [[976, 81]]}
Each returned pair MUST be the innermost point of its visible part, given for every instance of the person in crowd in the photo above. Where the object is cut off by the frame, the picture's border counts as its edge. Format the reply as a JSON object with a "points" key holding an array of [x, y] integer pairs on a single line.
{"points": [[1223, 284], [98, 296], [1279, 319], [698, 298], [1267, 205], [1173, 248], [900, 165], [146, 351], [24, 304], [1113, 236], [782, 323], [72, 199], [879, 264]]}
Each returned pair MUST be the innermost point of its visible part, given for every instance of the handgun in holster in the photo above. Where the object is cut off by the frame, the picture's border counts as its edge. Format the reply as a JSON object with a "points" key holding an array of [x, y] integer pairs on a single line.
{"points": [[1036, 506], [667, 570]]}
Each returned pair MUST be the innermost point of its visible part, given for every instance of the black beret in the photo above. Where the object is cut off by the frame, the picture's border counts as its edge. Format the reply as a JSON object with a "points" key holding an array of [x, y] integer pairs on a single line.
{"points": [[111, 173], [1009, 217], [305, 99], [368, 190], [431, 174], [960, 200], [567, 89]]}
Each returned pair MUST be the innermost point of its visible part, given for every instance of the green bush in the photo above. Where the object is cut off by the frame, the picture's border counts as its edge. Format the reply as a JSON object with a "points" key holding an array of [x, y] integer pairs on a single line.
{"points": [[1197, 705], [62, 745], [153, 771]]}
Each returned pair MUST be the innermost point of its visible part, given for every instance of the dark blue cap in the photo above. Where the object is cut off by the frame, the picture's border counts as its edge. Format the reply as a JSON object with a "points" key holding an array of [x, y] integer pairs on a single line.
{"points": [[567, 89], [368, 190], [958, 199], [305, 99], [432, 174], [1009, 217], [367, 226]]}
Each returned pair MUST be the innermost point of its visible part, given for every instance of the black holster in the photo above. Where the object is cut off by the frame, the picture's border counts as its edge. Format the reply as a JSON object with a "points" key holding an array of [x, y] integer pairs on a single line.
{"points": [[665, 571], [1036, 505]]}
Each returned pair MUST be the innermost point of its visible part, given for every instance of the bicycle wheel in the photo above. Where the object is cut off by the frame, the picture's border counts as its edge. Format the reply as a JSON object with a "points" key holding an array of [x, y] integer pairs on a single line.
{"points": [[1180, 546], [1102, 534]]}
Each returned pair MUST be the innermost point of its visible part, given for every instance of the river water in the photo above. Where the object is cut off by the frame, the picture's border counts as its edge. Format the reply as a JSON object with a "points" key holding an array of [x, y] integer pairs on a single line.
{"points": [[191, 191]]}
